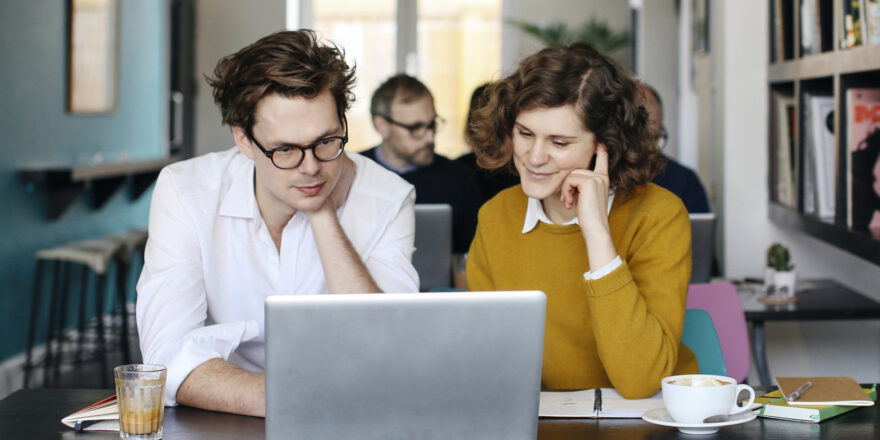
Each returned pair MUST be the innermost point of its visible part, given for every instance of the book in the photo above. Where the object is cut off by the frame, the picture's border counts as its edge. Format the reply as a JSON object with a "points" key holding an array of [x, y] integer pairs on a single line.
{"points": [[778, 408], [783, 110], [99, 416], [580, 404], [851, 30], [825, 391], [872, 21], [863, 145], [819, 137], [810, 35]]}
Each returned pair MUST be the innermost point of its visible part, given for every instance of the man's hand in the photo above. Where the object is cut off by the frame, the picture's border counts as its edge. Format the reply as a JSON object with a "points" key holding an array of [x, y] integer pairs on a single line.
{"points": [[339, 193]]}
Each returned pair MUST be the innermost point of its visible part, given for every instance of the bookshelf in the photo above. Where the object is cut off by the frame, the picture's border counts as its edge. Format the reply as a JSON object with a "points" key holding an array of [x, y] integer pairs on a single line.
{"points": [[819, 84]]}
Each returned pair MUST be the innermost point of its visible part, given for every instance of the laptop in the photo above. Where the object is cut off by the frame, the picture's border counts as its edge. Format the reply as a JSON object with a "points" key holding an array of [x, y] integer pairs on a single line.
{"points": [[433, 243], [451, 365], [702, 246]]}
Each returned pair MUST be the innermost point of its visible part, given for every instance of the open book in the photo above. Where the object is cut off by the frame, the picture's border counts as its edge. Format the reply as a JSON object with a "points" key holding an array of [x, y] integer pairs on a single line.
{"points": [[99, 416], [581, 404]]}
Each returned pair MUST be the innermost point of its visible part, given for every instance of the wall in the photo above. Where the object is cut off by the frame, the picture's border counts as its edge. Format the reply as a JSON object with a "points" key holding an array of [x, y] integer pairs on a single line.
{"points": [[657, 61], [222, 28], [572, 12], [37, 129], [804, 348]]}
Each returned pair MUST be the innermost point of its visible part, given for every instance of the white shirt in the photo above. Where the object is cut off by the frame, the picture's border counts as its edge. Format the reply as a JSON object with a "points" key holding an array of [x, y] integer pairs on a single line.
{"points": [[210, 262], [535, 213]]}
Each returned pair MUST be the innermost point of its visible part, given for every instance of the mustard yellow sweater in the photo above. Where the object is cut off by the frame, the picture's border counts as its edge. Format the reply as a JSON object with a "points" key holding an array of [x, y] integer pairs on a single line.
{"points": [[622, 330]]}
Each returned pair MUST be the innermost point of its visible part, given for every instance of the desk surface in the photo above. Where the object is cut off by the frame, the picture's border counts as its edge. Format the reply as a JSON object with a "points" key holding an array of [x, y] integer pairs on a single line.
{"points": [[36, 414], [816, 300]]}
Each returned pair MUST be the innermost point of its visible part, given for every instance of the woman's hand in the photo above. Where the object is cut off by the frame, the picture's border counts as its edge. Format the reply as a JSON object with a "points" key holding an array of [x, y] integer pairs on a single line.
{"points": [[588, 190]]}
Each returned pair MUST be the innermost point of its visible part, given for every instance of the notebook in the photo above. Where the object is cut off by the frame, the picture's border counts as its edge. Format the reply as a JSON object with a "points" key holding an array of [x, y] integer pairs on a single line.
{"points": [[825, 391], [433, 243], [581, 404], [428, 366], [702, 246]]}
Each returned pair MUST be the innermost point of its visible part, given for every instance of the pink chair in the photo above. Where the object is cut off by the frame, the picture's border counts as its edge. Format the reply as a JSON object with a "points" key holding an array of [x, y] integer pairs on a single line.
{"points": [[722, 302]]}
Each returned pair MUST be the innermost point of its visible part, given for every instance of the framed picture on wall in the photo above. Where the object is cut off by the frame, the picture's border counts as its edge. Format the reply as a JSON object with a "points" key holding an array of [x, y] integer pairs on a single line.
{"points": [[92, 57]]}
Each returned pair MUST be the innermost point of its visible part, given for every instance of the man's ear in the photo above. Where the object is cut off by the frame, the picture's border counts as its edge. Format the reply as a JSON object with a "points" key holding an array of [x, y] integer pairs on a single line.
{"points": [[243, 142], [382, 126]]}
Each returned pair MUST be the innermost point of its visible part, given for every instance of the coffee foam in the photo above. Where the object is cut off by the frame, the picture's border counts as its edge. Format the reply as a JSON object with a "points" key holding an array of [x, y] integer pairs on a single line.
{"points": [[699, 381]]}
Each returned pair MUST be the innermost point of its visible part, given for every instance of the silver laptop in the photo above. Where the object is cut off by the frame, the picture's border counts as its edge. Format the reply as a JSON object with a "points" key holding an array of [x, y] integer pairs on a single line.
{"points": [[702, 246], [452, 365], [433, 242]]}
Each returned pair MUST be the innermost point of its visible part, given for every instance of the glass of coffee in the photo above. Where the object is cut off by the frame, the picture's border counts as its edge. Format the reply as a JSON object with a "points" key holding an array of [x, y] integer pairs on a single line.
{"points": [[140, 392]]}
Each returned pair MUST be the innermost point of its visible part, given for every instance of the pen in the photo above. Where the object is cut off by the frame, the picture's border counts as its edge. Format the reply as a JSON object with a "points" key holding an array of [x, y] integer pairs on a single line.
{"points": [[597, 401], [798, 392]]}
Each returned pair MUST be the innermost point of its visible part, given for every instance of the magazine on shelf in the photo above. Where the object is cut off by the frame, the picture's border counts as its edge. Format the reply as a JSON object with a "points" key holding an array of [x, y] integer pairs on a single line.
{"points": [[863, 166]]}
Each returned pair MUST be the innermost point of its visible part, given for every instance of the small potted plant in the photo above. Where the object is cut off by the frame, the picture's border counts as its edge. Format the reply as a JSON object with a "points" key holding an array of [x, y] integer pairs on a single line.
{"points": [[783, 274]]}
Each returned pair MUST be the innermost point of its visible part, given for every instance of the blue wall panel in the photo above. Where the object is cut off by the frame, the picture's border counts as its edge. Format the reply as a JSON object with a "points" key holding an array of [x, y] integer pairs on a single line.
{"points": [[35, 128]]}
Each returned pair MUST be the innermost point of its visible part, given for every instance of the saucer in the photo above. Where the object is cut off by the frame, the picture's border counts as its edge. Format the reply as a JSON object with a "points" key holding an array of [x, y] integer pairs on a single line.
{"points": [[660, 416]]}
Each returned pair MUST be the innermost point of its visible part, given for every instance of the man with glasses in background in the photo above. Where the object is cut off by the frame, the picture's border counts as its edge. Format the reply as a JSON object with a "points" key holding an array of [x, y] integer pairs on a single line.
{"points": [[286, 211], [677, 178], [404, 115]]}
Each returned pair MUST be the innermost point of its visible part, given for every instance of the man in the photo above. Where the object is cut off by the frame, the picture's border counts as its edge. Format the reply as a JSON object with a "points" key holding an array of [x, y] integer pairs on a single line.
{"points": [[404, 115], [675, 177], [286, 211]]}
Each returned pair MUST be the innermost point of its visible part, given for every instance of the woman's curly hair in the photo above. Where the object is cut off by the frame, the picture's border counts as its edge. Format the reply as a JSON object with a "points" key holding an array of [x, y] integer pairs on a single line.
{"points": [[290, 63], [603, 95]]}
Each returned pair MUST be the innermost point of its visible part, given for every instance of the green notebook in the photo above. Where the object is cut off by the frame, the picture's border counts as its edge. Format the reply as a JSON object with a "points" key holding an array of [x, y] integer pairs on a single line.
{"points": [[778, 408]]}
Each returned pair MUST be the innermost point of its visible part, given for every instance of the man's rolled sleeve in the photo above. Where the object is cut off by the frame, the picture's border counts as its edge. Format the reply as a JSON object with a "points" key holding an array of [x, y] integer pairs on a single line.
{"points": [[390, 263], [202, 345]]}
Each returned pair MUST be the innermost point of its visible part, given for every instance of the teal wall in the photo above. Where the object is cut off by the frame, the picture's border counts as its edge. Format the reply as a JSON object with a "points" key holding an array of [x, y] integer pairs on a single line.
{"points": [[35, 128]]}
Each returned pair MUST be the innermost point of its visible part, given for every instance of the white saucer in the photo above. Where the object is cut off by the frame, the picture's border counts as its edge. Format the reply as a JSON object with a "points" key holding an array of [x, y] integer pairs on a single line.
{"points": [[660, 416]]}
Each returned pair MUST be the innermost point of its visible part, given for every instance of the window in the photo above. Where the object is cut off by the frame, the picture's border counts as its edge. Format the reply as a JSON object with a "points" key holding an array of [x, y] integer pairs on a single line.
{"points": [[458, 48]]}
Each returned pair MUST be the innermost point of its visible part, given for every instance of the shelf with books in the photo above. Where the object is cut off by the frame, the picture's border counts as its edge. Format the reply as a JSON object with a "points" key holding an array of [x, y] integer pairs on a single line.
{"points": [[824, 125]]}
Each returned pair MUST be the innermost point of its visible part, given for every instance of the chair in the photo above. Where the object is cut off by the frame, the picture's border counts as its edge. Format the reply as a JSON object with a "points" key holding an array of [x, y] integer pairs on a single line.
{"points": [[433, 241], [699, 335], [721, 301]]}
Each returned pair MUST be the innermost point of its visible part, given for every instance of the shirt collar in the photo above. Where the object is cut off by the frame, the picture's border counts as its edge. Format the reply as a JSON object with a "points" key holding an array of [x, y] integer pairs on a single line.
{"points": [[535, 213], [381, 159], [239, 200]]}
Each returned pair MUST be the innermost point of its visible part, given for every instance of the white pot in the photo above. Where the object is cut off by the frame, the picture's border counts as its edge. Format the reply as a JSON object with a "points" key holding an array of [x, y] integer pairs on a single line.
{"points": [[769, 280], [785, 283]]}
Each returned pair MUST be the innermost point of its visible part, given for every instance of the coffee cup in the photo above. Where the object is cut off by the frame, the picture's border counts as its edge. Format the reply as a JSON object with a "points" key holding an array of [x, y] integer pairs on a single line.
{"points": [[690, 398]]}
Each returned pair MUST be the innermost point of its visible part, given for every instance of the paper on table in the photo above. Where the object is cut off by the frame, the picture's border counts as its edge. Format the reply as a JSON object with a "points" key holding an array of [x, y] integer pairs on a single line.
{"points": [[99, 416], [580, 404]]}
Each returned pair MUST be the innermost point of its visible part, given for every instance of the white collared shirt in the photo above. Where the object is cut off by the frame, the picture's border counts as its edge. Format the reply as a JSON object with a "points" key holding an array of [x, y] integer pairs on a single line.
{"points": [[535, 213], [210, 262]]}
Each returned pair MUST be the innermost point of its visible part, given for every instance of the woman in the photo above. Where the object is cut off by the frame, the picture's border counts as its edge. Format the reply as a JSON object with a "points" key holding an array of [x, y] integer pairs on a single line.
{"points": [[610, 249]]}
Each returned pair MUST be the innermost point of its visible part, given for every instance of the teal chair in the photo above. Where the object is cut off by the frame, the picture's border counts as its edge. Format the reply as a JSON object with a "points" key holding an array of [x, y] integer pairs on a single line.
{"points": [[699, 335]]}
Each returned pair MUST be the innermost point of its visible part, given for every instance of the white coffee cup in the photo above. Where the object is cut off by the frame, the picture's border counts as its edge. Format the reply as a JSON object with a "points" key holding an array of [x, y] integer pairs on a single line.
{"points": [[690, 398]]}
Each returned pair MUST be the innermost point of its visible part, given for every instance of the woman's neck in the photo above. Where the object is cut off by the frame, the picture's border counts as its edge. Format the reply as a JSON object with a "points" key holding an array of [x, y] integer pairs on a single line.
{"points": [[556, 210]]}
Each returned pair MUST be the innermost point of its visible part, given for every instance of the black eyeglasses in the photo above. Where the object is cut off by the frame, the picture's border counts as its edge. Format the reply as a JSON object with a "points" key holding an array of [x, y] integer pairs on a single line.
{"points": [[291, 156], [419, 129]]}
